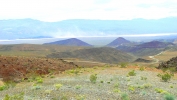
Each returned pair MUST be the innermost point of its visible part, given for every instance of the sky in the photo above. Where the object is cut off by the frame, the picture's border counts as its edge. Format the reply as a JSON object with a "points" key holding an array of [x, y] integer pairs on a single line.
{"points": [[57, 10]]}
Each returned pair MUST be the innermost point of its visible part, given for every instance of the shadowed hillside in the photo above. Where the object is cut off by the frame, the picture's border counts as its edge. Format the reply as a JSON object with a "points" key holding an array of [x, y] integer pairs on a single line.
{"points": [[146, 49], [103, 54]]}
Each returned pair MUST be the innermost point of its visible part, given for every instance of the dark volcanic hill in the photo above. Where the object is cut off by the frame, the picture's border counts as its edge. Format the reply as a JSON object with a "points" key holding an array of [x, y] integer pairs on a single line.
{"points": [[149, 48], [70, 42], [103, 54], [117, 42], [170, 64]]}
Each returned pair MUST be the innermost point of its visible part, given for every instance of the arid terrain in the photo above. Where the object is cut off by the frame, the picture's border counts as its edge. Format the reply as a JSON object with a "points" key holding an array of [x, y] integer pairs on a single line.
{"points": [[34, 76]]}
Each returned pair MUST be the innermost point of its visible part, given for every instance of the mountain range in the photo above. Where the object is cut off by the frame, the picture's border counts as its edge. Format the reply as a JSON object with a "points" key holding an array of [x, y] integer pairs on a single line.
{"points": [[28, 28]]}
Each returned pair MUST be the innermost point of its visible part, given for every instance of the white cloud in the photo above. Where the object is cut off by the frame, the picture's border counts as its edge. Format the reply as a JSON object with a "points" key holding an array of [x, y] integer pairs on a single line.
{"points": [[55, 10]]}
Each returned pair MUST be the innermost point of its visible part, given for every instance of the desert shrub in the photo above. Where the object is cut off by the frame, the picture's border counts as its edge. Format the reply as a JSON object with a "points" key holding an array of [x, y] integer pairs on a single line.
{"points": [[143, 78], [132, 73], [3, 87], [171, 86], [131, 88], [101, 81], [78, 86], [7, 85], [19, 96], [58, 86], [40, 80], [116, 91], [158, 90], [36, 87], [116, 85], [109, 82], [123, 65], [124, 96], [147, 85], [141, 68], [166, 77], [80, 97], [64, 97], [93, 78], [169, 97]]}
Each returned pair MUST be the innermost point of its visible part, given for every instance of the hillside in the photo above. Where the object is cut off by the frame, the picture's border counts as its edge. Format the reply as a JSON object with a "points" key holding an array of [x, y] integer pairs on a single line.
{"points": [[17, 68], [117, 42], [33, 50], [70, 42], [146, 49], [170, 64], [102, 54]]}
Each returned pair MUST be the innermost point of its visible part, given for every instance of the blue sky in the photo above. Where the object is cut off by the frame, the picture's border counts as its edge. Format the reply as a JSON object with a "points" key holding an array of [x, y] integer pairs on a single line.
{"points": [[57, 10]]}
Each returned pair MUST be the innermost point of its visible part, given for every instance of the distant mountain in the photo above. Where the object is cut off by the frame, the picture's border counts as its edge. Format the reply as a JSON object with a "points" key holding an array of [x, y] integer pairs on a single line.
{"points": [[23, 28], [117, 42], [70, 42], [102, 54], [148, 48]]}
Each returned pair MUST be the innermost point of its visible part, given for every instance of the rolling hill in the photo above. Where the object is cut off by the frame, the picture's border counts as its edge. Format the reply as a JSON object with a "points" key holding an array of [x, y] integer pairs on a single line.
{"points": [[102, 54], [70, 42], [146, 49], [117, 42]]}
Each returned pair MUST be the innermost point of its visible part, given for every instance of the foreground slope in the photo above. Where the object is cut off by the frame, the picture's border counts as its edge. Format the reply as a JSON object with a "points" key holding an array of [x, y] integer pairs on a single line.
{"points": [[112, 83], [102, 54], [16, 68]]}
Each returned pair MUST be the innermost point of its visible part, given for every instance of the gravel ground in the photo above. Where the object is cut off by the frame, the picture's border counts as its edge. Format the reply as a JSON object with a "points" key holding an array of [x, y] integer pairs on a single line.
{"points": [[111, 83]]}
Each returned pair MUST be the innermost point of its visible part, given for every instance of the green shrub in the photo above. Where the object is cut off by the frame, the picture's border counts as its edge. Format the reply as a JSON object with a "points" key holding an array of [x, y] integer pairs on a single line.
{"points": [[123, 65], [116, 91], [166, 77], [116, 85], [78, 86], [143, 78], [132, 73], [19, 96], [131, 88], [3, 87], [39, 79], [124, 96], [169, 97], [141, 68], [109, 82], [158, 90], [93, 78], [58, 86], [80, 97]]}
